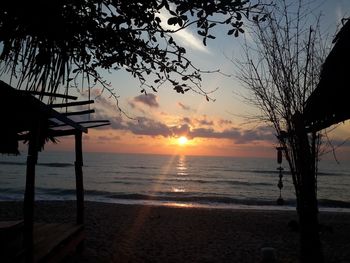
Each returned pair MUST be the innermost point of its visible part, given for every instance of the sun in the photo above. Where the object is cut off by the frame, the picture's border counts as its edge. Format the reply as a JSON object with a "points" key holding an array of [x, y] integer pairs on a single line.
{"points": [[182, 140]]}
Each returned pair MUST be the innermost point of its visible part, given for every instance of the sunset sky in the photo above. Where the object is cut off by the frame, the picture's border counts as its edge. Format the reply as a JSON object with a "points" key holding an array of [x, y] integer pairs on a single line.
{"points": [[158, 120]]}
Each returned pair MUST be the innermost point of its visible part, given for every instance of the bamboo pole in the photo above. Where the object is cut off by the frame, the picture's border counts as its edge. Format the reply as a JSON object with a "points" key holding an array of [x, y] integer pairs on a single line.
{"points": [[79, 177], [70, 104]]}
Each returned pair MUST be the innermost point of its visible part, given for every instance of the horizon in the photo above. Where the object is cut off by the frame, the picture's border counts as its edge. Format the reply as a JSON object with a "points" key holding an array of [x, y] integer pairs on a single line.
{"points": [[52, 149]]}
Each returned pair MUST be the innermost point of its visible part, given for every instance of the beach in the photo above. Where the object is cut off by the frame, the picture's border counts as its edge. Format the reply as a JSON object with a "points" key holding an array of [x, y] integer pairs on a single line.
{"points": [[144, 233]]}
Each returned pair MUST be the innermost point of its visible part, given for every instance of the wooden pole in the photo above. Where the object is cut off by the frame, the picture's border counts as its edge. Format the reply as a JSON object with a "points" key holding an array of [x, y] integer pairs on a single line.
{"points": [[28, 212], [79, 177]]}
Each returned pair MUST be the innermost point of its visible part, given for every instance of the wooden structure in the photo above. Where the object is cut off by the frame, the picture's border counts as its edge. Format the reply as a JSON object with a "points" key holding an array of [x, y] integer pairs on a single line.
{"points": [[329, 103], [24, 117]]}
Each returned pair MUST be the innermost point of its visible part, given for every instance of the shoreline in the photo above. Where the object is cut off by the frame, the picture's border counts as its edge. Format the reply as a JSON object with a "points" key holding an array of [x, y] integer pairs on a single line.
{"points": [[289, 206], [146, 233]]}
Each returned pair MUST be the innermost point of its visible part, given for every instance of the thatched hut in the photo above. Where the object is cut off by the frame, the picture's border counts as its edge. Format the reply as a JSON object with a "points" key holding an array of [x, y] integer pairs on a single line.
{"points": [[329, 103], [24, 117]]}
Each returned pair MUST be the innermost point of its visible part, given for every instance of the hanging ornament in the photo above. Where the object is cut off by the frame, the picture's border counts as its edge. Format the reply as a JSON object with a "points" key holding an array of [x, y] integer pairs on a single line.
{"points": [[280, 200], [279, 155]]}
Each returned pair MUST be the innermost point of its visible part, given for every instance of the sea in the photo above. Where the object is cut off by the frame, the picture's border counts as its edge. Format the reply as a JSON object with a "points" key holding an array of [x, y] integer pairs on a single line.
{"points": [[179, 180]]}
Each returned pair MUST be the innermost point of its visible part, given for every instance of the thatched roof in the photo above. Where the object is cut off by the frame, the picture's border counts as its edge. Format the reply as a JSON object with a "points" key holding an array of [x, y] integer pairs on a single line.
{"points": [[21, 113], [330, 102]]}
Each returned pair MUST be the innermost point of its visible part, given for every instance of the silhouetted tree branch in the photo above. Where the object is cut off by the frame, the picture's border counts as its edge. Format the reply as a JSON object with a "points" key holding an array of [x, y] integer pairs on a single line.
{"points": [[281, 69], [50, 44]]}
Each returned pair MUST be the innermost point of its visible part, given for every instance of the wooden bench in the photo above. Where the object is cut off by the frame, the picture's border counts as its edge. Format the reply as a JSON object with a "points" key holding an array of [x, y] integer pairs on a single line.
{"points": [[52, 242]]}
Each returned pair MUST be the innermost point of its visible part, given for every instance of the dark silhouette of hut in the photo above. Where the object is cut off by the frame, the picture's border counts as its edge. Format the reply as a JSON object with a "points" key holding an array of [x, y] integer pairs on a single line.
{"points": [[329, 103], [24, 117]]}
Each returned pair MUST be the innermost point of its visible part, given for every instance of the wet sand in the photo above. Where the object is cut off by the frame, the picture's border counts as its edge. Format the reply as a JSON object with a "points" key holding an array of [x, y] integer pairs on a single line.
{"points": [[136, 233]]}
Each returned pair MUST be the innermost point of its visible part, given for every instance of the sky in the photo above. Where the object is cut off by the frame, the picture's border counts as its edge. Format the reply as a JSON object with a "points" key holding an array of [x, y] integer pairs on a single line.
{"points": [[217, 128]]}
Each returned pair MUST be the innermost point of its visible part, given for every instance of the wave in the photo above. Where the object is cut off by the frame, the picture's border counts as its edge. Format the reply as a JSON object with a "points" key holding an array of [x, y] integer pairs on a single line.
{"points": [[190, 198], [170, 181], [187, 197], [12, 163], [141, 167], [56, 164], [333, 203]]}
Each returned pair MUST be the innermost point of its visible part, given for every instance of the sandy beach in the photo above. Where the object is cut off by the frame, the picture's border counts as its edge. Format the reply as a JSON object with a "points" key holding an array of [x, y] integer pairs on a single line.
{"points": [[135, 233]]}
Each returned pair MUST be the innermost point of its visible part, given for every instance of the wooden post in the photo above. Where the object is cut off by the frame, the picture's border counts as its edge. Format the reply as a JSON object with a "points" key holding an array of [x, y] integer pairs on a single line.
{"points": [[79, 177], [28, 212]]}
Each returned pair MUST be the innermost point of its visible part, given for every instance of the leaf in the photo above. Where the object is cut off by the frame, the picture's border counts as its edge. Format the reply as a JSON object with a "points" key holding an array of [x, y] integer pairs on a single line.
{"points": [[172, 12], [171, 40], [172, 20], [231, 31], [179, 89], [211, 36], [201, 33], [184, 17], [200, 13]]}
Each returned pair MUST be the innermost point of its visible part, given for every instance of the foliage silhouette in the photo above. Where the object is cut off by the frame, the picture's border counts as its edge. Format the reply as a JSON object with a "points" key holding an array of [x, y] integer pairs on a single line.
{"points": [[47, 45]]}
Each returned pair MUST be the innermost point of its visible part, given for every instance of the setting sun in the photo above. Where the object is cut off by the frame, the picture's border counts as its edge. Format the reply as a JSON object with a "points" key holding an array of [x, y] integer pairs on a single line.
{"points": [[182, 140]]}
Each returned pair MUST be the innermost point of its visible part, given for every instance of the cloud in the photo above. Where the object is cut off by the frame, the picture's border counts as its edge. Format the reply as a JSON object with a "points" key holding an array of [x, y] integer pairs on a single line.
{"points": [[182, 130], [108, 138], [150, 100], [190, 40], [146, 126], [238, 135], [205, 122], [184, 35], [149, 127], [184, 107], [197, 128], [224, 122], [186, 120]]}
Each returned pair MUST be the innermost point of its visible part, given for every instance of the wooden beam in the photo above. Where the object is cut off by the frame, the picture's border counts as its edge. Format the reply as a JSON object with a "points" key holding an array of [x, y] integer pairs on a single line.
{"points": [[79, 177], [41, 107], [78, 112], [84, 122], [93, 121], [70, 104], [59, 116]]}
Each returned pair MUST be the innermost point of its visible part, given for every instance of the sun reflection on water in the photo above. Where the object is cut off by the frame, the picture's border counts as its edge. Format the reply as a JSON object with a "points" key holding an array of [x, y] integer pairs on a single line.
{"points": [[179, 189], [181, 172], [181, 168], [182, 205]]}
